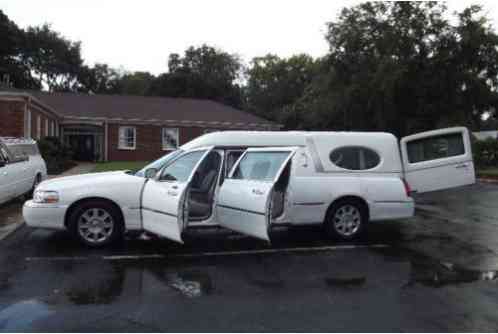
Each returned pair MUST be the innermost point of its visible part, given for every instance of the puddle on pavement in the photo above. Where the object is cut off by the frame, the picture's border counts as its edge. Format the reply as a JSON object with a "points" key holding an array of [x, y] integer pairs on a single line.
{"points": [[433, 273], [191, 284], [21, 315]]}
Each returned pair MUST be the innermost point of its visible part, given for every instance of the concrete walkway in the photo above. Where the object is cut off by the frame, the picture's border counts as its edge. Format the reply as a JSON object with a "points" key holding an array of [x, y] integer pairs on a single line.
{"points": [[80, 168]]}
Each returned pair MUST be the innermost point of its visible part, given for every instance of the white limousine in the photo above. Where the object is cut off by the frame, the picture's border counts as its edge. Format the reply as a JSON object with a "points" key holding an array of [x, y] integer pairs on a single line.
{"points": [[251, 181]]}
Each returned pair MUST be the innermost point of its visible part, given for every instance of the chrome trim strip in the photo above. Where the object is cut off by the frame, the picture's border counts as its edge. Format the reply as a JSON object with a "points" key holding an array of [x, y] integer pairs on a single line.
{"points": [[243, 210], [160, 212], [309, 203]]}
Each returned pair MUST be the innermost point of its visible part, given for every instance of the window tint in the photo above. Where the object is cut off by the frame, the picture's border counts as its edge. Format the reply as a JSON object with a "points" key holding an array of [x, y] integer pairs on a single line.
{"points": [[181, 169], [19, 152], [23, 150], [354, 158], [260, 165], [231, 159], [436, 147]]}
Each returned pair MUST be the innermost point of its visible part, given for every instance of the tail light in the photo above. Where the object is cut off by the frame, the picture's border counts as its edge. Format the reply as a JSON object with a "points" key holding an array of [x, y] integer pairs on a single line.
{"points": [[408, 190]]}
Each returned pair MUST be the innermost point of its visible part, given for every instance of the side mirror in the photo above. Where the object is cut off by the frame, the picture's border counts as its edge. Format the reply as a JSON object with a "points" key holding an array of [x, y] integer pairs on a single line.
{"points": [[151, 173]]}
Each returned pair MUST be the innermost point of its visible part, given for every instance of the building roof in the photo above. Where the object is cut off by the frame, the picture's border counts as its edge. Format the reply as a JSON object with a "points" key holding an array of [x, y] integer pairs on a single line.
{"points": [[96, 107]]}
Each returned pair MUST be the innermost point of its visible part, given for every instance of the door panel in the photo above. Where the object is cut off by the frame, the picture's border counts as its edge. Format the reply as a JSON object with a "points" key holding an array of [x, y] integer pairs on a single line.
{"points": [[438, 159], [242, 206], [161, 208], [244, 200], [164, 198]]}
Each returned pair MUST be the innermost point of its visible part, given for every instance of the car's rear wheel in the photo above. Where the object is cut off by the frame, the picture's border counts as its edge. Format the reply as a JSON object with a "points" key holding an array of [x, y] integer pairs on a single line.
{"points": [[346, 219], [96, 223]]}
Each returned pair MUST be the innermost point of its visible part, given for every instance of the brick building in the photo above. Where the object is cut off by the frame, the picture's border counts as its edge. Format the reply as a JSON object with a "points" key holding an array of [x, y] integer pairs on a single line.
{"points": [[117, 127]]}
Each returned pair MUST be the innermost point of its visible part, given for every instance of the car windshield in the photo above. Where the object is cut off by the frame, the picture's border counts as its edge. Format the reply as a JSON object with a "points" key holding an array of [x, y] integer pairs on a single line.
{"points": [[159, 163]]}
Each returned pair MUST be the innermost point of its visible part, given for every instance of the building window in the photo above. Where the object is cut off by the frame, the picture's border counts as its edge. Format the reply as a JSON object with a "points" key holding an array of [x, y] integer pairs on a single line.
{"points": [[46, 127], [38, 127], [56, 125], [170, 138], [127, 138]]}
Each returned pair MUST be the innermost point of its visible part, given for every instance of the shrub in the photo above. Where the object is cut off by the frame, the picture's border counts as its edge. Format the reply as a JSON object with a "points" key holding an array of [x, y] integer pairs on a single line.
{"points": [[56, 154], [485, 152]]}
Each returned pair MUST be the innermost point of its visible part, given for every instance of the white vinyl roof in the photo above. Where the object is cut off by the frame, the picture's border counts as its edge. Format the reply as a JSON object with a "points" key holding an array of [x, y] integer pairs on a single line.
{"points": [[275, 138]]}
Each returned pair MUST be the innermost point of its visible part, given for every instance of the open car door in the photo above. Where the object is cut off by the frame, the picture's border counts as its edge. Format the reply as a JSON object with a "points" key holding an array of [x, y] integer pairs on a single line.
{"points": [[244, 200], [164, 197], [438, 159]]}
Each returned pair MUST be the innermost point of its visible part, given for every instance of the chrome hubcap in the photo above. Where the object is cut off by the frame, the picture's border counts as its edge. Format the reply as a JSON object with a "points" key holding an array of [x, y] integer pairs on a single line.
{"points": [[95, 225], [347, 220]]}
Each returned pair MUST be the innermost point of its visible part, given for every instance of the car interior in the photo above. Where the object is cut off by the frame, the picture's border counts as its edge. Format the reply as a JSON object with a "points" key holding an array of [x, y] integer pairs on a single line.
{"points": [[203, 186], [201, 194], [279, 190]]}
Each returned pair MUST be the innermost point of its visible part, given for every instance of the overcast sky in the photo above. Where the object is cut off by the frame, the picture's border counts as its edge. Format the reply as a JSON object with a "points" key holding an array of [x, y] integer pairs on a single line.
{"points": [[139, 35]]}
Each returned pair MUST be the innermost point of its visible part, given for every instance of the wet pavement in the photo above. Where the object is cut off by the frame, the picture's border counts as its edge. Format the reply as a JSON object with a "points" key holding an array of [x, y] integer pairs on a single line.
{"points": [[435, 272]]}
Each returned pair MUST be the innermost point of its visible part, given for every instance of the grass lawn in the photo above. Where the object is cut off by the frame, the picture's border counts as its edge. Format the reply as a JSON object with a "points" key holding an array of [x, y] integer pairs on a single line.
{"points": [[119, 165], [488, 172]]}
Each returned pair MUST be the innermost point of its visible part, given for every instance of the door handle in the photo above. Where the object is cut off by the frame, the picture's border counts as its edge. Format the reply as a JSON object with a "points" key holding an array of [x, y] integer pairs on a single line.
{"points": [[461, 166], [172, 193], [257, 192], [174, 187]]}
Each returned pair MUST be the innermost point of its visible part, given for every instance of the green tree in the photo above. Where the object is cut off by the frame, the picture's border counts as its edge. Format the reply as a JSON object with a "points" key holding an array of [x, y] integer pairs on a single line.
{"points": [[136, 83], [54, 61], [99, 79], [402, 67], [274, 83], [11, 48], [203, 72]]}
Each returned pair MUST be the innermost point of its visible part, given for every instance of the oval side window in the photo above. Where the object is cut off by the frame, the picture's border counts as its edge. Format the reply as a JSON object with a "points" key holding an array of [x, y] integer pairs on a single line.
{"points": [[354, 158]]}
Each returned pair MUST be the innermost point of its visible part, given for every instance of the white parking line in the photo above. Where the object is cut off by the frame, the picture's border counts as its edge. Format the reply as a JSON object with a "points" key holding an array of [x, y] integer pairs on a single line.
{"points": [[205, 254]]}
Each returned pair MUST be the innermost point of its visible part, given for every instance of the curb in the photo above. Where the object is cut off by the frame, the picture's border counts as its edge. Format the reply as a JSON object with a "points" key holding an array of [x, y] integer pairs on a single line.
{"points": [[487, 180], [10, 229]]}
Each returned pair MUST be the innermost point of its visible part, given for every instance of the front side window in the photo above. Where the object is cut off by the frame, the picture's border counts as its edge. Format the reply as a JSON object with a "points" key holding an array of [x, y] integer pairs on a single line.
{"points": [[262, 166], [127, 138], [170, 138], [181, 169], [354, 158], [436, 147], [161, 162]]}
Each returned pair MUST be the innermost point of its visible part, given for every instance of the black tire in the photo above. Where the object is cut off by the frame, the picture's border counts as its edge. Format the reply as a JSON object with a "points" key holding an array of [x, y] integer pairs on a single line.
{"points": [[36, 182], [353, 225], [102, 210]]}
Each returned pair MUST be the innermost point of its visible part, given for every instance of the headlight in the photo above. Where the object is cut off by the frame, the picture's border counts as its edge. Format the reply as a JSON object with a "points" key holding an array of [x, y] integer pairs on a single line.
{"points": [[45, 196]]}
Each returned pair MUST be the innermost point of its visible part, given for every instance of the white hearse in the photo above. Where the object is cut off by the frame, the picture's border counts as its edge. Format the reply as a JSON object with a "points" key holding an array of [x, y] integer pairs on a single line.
{"points": [[251, 181], [22, 167]]}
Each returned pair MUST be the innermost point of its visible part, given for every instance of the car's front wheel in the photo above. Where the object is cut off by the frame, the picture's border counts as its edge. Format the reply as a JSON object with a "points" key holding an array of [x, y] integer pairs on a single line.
{"points": [[96, 223]]}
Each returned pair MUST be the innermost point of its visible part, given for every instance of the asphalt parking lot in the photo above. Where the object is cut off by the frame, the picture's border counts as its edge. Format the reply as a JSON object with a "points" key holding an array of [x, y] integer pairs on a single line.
{"points": [[435, 272]]}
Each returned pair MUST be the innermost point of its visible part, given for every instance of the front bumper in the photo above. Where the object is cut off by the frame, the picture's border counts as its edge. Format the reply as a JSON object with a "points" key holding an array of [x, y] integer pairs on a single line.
{"points": [[44, 215]]}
